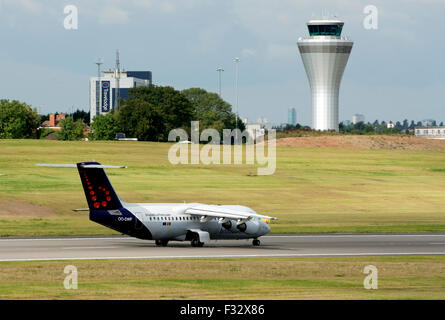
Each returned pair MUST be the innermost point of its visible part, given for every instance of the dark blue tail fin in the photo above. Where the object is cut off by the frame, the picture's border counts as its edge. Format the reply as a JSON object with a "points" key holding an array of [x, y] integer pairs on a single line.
{"points": [[98, 189]]}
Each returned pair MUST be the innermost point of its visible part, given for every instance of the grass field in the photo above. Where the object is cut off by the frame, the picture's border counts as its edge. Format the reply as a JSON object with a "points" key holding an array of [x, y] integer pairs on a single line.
{"points": [[274, 278], [312, 190]]}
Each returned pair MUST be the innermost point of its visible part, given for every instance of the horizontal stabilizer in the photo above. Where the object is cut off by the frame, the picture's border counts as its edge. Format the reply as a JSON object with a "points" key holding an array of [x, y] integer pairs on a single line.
{"points": [[86, 166]]}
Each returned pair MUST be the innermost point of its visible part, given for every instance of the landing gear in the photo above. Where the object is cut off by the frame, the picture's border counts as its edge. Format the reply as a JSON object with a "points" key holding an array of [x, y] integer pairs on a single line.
{"points": [[197, 243], [256, 242], [162, 243]]}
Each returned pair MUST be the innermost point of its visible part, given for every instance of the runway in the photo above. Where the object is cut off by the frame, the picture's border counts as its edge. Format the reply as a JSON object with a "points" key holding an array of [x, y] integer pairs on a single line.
{"points": [[314, 245]]}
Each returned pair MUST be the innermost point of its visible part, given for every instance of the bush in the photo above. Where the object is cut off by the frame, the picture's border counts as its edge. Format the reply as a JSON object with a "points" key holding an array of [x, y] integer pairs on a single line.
{"points": [[104, 127], [71, 130], [18, 120], [45, 132]]}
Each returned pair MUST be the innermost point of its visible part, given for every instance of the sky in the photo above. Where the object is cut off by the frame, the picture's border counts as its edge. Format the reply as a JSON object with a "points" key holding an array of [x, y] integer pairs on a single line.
{"points": [[394, 72]]}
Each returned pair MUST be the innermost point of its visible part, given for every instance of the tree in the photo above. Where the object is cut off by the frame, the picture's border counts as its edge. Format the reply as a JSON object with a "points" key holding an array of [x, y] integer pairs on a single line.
{"points": [[81, 114], [405, 124], [211, 111], [104, 127], [18, 120], [71, 130], [140, 119], [166, 104], [359, 126]]}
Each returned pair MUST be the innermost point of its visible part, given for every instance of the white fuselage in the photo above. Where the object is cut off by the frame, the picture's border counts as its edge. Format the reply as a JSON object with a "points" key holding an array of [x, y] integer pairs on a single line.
{"points": [[168, 221]]}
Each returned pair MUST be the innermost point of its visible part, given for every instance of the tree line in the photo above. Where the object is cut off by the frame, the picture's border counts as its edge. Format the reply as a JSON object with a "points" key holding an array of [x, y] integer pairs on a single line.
{"points": [[148, 114], [377, 127]]}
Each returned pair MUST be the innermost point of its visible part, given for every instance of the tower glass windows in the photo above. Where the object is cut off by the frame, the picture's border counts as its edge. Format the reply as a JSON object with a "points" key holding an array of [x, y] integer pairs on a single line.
{"points": [[325, 30]]}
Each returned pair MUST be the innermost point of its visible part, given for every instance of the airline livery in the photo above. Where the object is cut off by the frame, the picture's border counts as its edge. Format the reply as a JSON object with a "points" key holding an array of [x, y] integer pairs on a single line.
{"points": [[164, 222]]}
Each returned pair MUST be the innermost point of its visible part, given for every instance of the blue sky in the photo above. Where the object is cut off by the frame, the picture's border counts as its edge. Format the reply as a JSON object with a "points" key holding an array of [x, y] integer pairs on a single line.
{"points": [[394, 72]]}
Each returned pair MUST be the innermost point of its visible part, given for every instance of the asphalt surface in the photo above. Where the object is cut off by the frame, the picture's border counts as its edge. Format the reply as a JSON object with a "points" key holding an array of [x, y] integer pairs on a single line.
{"points": [[326, 245]]}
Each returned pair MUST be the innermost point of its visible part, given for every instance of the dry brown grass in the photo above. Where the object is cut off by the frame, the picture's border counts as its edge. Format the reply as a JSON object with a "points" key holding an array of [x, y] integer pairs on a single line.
{"points": [[274, 278], [402, 142]]}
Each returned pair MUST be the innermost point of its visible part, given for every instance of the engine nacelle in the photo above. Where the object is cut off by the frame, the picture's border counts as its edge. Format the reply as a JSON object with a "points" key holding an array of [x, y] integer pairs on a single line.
{"points": [[250, 227], [227, 224]]}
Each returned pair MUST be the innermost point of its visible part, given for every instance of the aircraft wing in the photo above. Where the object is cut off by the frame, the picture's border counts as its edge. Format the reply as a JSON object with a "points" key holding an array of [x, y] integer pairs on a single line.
{"points": [[221, 212]]}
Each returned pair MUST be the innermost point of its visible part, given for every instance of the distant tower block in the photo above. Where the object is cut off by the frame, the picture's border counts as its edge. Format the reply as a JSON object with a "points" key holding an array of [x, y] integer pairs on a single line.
{"points": [[325, 54]]}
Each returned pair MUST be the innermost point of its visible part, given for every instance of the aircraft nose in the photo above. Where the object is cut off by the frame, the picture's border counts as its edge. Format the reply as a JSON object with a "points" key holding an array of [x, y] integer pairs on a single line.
{"points": [[265, 227]]}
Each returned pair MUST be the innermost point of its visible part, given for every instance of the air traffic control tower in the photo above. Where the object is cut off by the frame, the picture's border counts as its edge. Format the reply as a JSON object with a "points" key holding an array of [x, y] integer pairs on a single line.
{"points": [[325, 54]]}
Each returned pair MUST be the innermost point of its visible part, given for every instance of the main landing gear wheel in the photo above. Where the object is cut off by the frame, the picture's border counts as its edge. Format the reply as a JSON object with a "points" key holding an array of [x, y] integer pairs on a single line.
{"points": [[197, 243], [256, 242], [162, 243]]}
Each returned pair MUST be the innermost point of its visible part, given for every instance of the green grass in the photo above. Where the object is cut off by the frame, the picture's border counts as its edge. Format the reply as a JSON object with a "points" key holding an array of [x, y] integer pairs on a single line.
{"points": [[272, 278], [312, 190]]}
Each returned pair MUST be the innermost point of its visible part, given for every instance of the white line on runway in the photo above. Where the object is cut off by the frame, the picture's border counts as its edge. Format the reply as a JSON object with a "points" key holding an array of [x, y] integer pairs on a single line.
{"points": [[77, 248], [355, 235], [238, 256], [270, 236], [68, 239]]}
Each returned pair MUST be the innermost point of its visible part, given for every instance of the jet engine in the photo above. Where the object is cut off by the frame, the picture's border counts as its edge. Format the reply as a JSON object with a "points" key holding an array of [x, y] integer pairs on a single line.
{"points": [[248, 227]]}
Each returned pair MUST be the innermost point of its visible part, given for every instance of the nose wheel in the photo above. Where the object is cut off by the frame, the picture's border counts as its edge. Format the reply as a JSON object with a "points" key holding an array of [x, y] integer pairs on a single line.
{"points": [[256, 243]]}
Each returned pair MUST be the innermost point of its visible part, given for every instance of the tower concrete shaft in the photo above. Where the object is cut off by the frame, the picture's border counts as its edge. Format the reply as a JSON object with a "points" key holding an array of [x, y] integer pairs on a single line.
{"points": [[325, 54]]}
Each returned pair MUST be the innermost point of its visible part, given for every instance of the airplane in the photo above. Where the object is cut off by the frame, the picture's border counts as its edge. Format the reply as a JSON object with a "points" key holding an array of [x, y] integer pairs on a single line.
{"points": [[164, 222]]}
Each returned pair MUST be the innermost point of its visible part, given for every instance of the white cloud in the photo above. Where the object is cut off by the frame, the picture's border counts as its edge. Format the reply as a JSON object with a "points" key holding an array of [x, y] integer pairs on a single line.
{"points": [[248, 52], [29, 5], [113, 15]]}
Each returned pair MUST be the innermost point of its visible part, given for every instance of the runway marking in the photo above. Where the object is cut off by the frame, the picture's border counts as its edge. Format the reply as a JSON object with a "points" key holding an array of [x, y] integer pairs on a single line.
{"points": [[77, 248], [437, 243], [69, 239], [355, 235], [236, 256], [267, 236]]}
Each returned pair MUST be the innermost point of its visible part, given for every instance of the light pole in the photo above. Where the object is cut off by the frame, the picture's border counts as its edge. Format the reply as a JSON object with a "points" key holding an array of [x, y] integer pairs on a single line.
{"points": [[118, 77], [99, 62], [236, 60], [219, 84]]}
